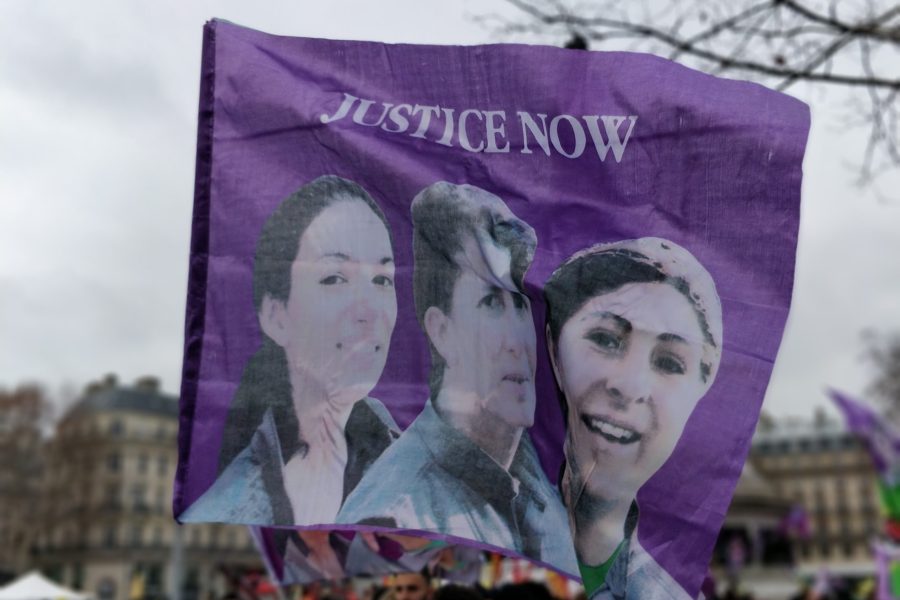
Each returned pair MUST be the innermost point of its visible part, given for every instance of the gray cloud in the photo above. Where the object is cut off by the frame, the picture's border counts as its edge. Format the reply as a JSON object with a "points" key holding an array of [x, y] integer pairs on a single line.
{"points": [[97, 141]]}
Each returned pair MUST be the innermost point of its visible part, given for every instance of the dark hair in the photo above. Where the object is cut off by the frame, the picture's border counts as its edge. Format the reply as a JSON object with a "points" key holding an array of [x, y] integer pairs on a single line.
{"points": [[456, 592], [279, 241], [443, 216], [265, 382], [585, 277], [593, 274], [530, 590]]}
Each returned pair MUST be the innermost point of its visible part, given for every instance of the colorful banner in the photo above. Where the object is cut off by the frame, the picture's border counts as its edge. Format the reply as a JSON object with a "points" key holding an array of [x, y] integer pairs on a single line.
{"points": [[883, 444], [887, 562], [522, 299], [301, 557]]}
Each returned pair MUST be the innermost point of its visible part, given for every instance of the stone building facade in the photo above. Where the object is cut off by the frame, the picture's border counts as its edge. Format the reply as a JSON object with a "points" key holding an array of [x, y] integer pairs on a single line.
{"points": [[821, 467], [104, 520], [22, 414]]}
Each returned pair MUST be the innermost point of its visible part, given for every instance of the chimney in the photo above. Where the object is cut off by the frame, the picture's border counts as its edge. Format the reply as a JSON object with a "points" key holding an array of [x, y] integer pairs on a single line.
{"points": [[109, 381], [821, 418], [147, 383]]}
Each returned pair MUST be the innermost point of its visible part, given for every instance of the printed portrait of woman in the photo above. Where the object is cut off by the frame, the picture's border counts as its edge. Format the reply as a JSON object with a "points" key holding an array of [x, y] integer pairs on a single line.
{"points": [[301, 429], [634, 330]]}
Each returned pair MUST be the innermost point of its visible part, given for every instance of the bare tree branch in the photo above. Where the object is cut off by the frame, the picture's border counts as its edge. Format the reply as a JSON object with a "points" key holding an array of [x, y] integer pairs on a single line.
{"points": [[688, 46], [777, 42]]}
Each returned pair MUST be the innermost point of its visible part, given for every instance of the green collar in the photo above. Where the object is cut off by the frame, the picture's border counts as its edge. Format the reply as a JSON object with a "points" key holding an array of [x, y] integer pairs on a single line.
{"points": [[595, 576]]}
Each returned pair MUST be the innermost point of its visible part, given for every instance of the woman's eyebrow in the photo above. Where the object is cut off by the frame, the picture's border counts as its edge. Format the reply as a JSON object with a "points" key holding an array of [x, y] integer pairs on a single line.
{"points": [[620, 321], [386, 260], [490, 288], [671, 337], [338, 256]]}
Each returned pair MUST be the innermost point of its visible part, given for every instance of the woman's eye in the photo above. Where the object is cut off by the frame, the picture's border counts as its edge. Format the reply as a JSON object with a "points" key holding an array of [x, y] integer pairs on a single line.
{"points": [[520, 301], [605, 340], [492, 300], [333, 280], [669, 363], [383, 280]]}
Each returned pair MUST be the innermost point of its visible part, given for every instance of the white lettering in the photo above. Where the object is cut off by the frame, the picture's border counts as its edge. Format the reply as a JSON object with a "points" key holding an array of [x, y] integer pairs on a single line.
{"points": [[540, 135], [494, 130], [611, 125], [578, 132]]}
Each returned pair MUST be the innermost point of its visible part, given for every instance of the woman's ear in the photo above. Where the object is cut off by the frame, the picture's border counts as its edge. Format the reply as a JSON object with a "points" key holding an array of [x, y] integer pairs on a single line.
{"points": [[437, 329], [551, 348], [273, 319]]}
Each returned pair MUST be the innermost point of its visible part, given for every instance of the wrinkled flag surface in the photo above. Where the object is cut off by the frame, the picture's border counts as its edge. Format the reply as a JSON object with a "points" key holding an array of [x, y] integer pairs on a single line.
{"points": [[518, 298]]}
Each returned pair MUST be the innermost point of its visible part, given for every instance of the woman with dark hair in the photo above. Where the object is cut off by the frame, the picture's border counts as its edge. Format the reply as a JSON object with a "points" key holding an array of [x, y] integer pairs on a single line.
{"points": [[634, 330], [301, 429]]}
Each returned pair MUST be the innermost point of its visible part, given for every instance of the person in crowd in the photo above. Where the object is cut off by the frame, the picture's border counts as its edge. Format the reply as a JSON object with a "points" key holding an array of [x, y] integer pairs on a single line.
{"points": [[529, 590], [411, 586], [466, 466], [301, 429], [456, 592], [634, 332]]}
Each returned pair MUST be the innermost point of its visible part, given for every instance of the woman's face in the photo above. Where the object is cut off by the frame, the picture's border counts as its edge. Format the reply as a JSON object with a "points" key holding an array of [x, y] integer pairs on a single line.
{"points": [[490, 343], [629, 364], [342, 306]]}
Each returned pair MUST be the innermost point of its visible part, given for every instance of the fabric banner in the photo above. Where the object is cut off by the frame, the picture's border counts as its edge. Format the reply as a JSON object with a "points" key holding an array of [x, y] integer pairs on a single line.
{"points": [[300, 557], [519, 298], [883, 443], [887, 562], [873, 430]]}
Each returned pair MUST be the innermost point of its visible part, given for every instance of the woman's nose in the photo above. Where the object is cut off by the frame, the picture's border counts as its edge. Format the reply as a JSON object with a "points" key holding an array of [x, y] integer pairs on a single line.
{"points": [[628, 381], [363, 310], [517, 334]]}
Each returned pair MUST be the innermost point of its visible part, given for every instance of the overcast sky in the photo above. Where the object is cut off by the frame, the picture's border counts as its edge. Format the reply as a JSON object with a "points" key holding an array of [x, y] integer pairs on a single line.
{"points": [[98, 107]]}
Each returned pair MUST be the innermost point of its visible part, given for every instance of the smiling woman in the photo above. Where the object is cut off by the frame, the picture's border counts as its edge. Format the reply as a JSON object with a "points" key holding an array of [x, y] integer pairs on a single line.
{"points": [[323, 283], [634, 330]]}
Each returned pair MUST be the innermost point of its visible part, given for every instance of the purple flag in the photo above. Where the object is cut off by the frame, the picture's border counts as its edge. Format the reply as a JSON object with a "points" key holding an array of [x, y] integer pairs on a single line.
{"points": [[887, 562], [882, 441], [519, 298]]}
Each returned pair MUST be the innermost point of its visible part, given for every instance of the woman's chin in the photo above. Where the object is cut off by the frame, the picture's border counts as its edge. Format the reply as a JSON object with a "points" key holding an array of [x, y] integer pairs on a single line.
{"points": [[351, 392]]}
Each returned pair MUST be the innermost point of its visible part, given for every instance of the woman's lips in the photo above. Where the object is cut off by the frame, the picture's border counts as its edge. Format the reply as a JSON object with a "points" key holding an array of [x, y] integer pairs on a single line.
{"points": [[615, 433]]}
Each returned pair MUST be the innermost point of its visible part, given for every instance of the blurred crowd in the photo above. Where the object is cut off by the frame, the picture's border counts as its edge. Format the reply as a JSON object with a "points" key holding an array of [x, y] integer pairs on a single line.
{"points": [[415, 586]]}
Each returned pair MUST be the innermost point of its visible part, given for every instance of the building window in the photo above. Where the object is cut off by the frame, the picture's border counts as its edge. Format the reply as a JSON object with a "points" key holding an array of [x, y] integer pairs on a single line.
{"points": [[848, 549], [113, 463], [138, 493], [77, 576], [160, 500], [824, 547], [109, 537], [116, 428], [136, 536], [191, 589], [162, 465], [54, 572], [154, 581], [111, 499], [142, 464]]}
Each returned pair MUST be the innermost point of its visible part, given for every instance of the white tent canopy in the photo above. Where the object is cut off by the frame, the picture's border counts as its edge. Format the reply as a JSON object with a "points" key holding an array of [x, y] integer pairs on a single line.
{"points": [[34, 586]]}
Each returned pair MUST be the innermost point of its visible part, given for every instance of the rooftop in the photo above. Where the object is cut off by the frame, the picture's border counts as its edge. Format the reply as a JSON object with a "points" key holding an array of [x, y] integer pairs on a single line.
{"points": [[144, 396]]}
